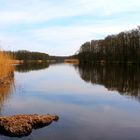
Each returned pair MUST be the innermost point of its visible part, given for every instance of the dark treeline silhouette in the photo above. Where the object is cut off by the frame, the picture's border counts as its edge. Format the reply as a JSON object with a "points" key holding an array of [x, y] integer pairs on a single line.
{"points": [[59, 58], [120, 48], [26, 67], [123, 78], [27, 55]]}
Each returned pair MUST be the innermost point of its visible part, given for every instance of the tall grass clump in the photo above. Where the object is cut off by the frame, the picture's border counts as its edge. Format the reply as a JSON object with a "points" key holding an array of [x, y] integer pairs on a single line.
{"points": [[6, 68]]}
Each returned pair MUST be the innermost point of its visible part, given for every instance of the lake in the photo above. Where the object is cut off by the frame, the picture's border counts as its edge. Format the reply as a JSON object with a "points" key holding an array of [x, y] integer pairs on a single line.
{"points": [[99, 102]]}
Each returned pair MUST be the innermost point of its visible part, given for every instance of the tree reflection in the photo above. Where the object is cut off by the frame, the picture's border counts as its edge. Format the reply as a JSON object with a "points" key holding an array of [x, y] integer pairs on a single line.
{"points": [[122, 78], [26, 67]]}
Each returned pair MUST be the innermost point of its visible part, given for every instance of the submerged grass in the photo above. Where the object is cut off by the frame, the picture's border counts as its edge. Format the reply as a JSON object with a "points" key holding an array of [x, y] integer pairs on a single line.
{"points": [[6, 68]]}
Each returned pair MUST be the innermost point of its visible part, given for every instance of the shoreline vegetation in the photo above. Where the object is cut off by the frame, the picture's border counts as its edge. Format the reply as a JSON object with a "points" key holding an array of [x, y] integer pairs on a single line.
{"points": [[25, 57], [122, 48], [6, 69], [6, 77]]}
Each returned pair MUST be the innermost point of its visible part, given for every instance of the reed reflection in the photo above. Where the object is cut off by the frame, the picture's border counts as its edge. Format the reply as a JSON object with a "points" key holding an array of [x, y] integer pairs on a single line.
{"points": [[6, 89], [122, 78]]}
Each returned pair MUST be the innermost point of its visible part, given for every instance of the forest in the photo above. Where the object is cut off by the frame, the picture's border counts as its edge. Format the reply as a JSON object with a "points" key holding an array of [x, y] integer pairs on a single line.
{"points": [[28, 55], [123, 47]]}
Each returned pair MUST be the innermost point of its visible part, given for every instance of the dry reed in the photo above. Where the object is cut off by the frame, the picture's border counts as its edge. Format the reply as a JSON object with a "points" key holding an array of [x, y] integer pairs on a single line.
{"points": [[6, 68]]}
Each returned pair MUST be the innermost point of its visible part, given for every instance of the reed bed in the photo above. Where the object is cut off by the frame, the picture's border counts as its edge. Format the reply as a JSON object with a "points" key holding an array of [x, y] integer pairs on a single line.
{"points": [[6, 68]]}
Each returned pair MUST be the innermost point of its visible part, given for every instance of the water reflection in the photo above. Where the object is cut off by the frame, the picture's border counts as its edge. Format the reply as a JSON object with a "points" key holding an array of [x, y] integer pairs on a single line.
{"points": [[26, 67], [122, 78], [86, 111], [5, 91]]}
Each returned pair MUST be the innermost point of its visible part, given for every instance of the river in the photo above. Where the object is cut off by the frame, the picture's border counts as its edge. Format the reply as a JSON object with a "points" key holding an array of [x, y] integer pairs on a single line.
{"points": [[93, 102]]}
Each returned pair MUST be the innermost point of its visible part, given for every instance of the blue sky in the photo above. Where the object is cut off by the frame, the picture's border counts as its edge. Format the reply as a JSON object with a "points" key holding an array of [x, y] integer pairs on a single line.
{"points": [[60, 27]]}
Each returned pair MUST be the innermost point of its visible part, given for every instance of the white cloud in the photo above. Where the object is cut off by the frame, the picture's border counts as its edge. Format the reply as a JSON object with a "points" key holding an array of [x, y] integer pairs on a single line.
{"points": [[62, 39], [38, 11]]}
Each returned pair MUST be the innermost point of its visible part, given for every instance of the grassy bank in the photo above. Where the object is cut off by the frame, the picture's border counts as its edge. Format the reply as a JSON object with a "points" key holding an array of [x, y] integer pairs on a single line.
{"points": [[6, 69]]}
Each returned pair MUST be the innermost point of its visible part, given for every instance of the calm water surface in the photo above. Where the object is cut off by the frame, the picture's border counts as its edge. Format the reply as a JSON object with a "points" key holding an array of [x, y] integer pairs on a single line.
{"points": [[93, 103]]}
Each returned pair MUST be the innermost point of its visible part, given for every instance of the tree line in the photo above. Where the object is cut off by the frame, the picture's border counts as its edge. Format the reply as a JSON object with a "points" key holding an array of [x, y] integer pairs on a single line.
{"points": [[120, 48], [27, 55]]}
